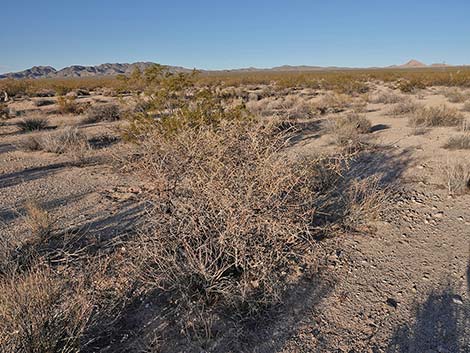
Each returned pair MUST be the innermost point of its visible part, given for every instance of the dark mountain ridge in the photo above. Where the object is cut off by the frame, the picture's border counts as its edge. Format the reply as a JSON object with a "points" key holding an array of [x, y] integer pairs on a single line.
{"points": [[110, 69]]}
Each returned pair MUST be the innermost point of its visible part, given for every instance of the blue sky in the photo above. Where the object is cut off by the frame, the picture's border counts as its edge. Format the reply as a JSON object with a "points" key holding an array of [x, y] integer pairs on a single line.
{"points": [[222, 34]]}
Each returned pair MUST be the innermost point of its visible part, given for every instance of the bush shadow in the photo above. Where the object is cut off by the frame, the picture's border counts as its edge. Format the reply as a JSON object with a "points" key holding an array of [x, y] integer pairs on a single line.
{"points": [[441, 324]]}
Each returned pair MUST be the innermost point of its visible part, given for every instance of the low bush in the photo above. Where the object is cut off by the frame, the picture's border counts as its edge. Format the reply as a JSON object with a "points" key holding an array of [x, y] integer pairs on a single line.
{"points": [[69, 105], [32, 124], [105, 112], [347, 130], [233, 219], [436, 116], [67, 140], [457, 177], [41, 312], [404, 108], [387, 98], [466, 107], [411, 86], [454, 95], [460, 142], [333, 103], [37, 220], [4, 111], [289, 107]]}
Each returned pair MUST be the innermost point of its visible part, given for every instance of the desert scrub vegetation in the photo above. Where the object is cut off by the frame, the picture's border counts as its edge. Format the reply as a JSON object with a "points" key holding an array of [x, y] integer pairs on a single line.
{"points": [[404, 108], [289, 107], [347, 82], [455, 95], [457, 176], [38, 220], [466, 107], [68, 140], [4, 111], [411, 86], [386, 98], [105, 112], [232, 223], [459, 142], [174, 104], [347, 130], [436, 116], [41, 309], [233, 220], [39, 312], [32, 124], [333, 103], [69, 105]]}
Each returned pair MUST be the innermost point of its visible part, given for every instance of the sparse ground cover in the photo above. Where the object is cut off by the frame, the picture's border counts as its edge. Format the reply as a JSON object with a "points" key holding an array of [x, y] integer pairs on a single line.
{"points": [[260, 213]]}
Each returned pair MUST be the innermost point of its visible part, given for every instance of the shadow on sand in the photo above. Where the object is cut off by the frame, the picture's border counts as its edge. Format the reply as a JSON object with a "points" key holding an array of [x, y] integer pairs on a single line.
{"points": [[441, 324]]}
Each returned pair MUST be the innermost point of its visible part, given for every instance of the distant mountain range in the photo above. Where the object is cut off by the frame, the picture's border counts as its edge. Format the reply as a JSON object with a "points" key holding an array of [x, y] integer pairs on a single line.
{"points": [[84, 71], [125, 69]]}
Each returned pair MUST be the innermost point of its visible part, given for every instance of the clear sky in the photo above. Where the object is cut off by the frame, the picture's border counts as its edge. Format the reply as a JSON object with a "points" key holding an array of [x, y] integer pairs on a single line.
{"points": [[210, 34]]}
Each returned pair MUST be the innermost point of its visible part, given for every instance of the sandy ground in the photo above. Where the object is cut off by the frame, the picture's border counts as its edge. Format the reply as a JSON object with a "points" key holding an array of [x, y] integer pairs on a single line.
{"points": [[403, 288]]}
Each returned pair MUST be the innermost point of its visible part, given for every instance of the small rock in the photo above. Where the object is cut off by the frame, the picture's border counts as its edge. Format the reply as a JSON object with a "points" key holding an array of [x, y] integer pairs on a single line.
{"points": [[457, 299]]}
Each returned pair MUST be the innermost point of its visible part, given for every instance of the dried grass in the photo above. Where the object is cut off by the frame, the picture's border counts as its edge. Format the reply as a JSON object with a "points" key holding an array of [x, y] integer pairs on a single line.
{"points": [[457, 177], [436, 117]]}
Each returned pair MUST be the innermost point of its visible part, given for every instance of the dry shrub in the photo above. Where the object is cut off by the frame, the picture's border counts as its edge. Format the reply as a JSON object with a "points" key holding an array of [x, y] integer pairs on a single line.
{"points": [[387, 98], [363, 198], [289, 107], [411, 86], [460, 142], [359, 105], [41, 312], [69, 105], [465, 125], [4, 111], [436, 116], [38, 220], [347, 130], [404, 107], [233, 221], [67, 140], [295, 107], [457, 177], [105, 112], [333, 103], [259, 108], [454, 95], [466, 107], [32, 124]]}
